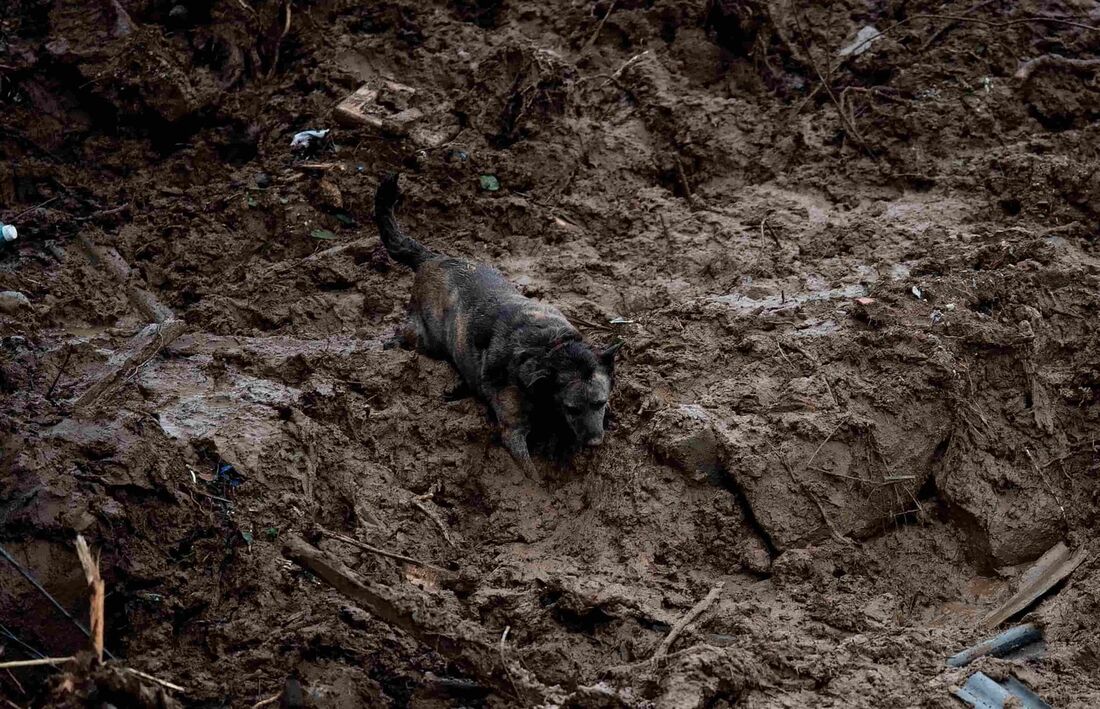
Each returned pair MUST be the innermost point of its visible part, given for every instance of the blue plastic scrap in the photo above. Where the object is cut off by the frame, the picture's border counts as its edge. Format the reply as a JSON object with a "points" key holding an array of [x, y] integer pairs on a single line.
{"points": [[1007, 642], [228, 474], [983, 692]]}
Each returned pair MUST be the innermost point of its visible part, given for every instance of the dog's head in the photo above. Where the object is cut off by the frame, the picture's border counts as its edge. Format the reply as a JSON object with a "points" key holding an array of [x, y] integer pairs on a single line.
{"points": [[578, 379]]}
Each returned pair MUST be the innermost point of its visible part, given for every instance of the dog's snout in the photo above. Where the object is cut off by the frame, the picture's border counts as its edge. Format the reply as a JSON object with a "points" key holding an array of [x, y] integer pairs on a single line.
{"points": [[594, 440]]}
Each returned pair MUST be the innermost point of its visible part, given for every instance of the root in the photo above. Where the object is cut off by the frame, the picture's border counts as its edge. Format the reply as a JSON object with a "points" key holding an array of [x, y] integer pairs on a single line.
{"points": [[1053, 60]]}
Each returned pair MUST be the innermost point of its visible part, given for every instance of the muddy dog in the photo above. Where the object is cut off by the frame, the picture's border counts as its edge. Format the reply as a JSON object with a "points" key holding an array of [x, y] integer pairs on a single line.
{"points": [[522, 357]]}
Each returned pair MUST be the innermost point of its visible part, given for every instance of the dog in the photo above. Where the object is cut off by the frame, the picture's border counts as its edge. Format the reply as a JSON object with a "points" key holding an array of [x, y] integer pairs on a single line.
{"points": [[522, 357]]}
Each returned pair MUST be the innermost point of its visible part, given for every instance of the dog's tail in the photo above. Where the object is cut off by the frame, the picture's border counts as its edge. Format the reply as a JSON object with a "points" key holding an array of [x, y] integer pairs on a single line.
{"points": [[400, 246]]}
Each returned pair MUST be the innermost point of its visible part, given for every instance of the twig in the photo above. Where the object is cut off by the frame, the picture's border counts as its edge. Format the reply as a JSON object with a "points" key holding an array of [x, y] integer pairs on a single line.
{"points": [[809, 493], [848, 124], [435, 518], [102, 213], [151, 678], [35, 663], [782, 353], [1031, 66], [34, 582], [28, 210], [688, 618], [683, 180], [827, 439], [504, 661], [60, 371], [212, 497], [599, 27], [97, 586], [279, 42], [270, 700], [382, 552], [936, 35]]}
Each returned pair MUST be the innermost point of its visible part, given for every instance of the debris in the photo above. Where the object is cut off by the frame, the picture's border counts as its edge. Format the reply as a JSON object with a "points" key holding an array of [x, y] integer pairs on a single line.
{"points": [[228, 475], [396, 109], [308, 141], [489, 183], [1000, 645], [864, 301], [936, 316], [383, 552], [460, 155], [323, 235], [111, 261], [867, 36], [330, 195], [11, 302], [418, 502], [621, 321], [917, 293], [9, 232], [1053, 566], [463, 643], [25, 573], [689, 618], [982, 692], [263, 180], [97, 587], [142, 348], [178, 14], [1031, 66]]}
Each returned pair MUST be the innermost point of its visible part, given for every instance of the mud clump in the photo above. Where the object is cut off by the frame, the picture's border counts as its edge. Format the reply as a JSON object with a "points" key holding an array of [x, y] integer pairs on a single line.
{"points": [[858, 291]]}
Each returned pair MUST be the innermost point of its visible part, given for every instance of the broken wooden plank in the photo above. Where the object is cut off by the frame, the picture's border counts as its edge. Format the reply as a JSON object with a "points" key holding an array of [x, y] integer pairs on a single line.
{"points": [[112, 261], [462, 643], [1053, 566], [142, 347]]}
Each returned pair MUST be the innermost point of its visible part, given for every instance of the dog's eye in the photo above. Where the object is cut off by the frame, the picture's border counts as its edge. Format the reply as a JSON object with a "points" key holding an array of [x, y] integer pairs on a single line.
{"points": [[598, 404], [574, 409]]}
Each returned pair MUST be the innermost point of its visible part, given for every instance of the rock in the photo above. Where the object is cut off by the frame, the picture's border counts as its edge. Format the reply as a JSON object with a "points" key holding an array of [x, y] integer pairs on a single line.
{"points": [[14, 303], [329, 195], [683, 436]]}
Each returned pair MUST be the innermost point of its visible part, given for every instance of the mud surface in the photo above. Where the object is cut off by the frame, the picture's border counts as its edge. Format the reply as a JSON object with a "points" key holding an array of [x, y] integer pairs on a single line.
{"points": [[860, 385]]}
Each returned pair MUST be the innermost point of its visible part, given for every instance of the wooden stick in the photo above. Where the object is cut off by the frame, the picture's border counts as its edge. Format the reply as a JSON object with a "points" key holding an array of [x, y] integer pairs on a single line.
{"points": [[95, 583], [383, 552], [461, 642], [435, 518], [595, 34], [35, 663], [687, 620], [142, 348], [56, 604], [270, 700], [151, 678]]}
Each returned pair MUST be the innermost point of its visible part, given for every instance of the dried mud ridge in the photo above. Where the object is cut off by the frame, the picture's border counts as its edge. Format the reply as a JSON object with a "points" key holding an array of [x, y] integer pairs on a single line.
{"points": [[858, 399]]}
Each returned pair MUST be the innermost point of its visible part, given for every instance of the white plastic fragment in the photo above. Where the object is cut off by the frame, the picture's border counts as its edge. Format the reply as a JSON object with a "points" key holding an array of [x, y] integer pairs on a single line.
{"points": [[307, 138], [863, 41], [9, 232]]}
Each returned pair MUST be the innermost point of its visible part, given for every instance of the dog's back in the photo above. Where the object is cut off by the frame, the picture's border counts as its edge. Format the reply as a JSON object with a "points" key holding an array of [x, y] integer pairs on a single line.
{"points": [[519, 355], [458, 308]]}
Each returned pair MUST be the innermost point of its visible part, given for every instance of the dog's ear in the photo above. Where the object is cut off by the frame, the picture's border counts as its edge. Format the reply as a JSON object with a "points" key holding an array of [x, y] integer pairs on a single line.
{"points": [[532, 371], [607, 356]]}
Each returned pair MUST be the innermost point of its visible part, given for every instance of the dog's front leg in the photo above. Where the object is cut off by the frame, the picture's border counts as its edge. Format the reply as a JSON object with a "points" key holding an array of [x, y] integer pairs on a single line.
{"points": [[514, 427]]}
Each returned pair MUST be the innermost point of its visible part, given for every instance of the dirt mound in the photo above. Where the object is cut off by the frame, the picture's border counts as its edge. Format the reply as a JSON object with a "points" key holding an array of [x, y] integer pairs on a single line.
{"points": [[851, 249]]}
